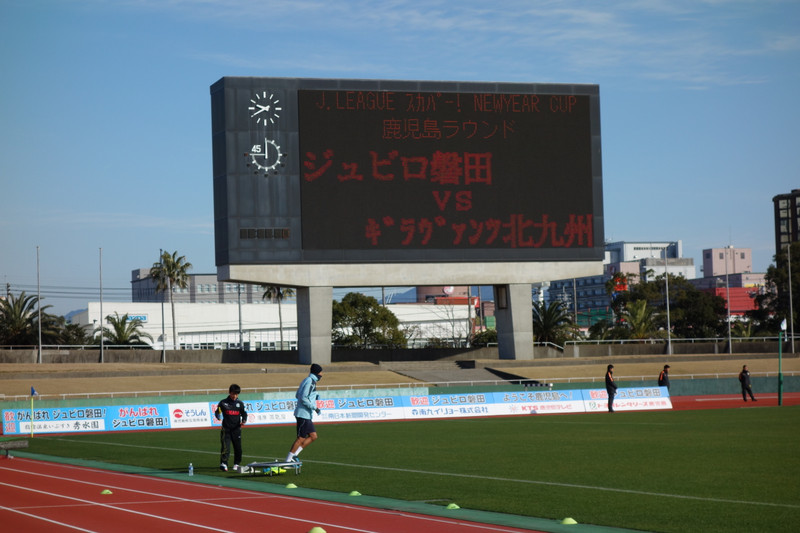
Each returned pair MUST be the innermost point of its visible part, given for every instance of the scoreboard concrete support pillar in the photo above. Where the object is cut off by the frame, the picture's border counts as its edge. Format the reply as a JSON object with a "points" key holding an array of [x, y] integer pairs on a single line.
{"points": [[514, 321], [314, 316]]}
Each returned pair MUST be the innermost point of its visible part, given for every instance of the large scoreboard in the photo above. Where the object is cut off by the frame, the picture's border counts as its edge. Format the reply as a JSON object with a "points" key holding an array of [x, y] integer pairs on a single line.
{"points": [[334, 172]]}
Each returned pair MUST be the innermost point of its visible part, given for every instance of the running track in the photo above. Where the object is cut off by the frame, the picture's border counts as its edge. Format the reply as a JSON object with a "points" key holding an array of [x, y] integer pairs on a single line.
{"points": [[42, 496]]}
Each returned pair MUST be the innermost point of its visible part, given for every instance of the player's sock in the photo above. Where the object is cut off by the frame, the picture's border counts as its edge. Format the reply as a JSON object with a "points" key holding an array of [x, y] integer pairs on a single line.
{"points": [[289, 457], [299, 449]]}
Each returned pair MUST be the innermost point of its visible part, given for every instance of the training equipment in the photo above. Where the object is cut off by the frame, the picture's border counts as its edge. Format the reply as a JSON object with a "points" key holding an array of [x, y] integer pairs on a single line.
{"points": [[316, 529], [272, 468]]}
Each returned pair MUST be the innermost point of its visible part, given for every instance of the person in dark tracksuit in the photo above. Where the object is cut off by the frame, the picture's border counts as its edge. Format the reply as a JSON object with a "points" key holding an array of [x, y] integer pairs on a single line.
{"points": [[744, 379], [233, 415], [663, 377], [611, 387]]}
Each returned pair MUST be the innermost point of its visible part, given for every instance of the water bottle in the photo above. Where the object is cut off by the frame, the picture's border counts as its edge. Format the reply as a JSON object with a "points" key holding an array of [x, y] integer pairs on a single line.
{"points": [[191, 469]]}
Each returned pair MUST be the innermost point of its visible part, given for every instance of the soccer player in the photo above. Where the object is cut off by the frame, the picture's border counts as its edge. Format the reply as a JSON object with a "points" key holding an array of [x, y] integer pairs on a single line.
{"points": [[611, 387], [233, 415], [306, 405]]}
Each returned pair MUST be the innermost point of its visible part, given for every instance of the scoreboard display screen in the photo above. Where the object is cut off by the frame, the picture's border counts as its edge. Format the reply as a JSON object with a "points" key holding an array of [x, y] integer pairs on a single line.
{"points": [[338, 171]]}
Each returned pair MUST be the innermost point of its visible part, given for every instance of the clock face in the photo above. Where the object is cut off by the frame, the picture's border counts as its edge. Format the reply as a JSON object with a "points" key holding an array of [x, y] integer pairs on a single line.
{"points": [[265, 108], [266, 157]]}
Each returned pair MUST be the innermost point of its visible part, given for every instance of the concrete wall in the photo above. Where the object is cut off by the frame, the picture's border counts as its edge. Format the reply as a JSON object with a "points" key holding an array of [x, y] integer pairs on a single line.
{"points": [[660, 348], [236, 356]]}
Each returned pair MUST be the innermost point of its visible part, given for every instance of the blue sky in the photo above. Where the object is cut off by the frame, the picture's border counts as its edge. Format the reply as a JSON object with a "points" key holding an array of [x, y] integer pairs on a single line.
{"points": [[106, 137]]}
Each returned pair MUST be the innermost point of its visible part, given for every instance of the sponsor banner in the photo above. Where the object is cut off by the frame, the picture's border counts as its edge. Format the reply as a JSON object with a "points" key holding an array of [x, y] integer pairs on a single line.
{"points": [[542, 402], [449, 406], [628, 399], [190, 415], [268, 411], [86, 419]]}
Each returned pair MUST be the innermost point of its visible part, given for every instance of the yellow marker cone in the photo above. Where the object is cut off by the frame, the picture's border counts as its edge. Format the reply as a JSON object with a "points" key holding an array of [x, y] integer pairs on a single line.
{"points": [[291, 486], [569, 521], [355, 493], [453, 506], [106, 492], [316, 529]]}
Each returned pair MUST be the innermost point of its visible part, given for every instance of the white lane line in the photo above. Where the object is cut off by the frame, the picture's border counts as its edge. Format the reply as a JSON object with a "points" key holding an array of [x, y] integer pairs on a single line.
{"points": [[228, 490], [10, 510], [107, 506]]}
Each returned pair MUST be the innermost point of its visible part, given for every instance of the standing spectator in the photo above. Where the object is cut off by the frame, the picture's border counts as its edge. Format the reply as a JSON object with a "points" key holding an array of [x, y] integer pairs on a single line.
{"points": [[306, 404], [233, 415], [663, 377], [611, 387], [744, 379]]}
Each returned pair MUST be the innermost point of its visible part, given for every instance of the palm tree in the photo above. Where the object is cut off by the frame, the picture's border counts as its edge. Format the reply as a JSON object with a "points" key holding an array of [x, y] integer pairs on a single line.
{"points": [[276, 292], [124, 331], [19, 320], [553, 322], [641, 319], [168, 273]]}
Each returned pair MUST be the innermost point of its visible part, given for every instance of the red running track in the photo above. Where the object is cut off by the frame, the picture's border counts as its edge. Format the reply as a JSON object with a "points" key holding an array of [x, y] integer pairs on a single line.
{"points": [[732, 401], [42, 496]]}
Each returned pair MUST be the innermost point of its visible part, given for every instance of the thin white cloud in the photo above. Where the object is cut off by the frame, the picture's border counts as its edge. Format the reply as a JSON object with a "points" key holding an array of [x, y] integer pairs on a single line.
{"points": [[80, 220], [687, 42]]}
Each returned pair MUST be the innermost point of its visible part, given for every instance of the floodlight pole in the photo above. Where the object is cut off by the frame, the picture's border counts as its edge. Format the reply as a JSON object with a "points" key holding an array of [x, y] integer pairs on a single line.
{"points": [[163, 327], [241, 332], [728, 301], [101, 308], [780, 363], [39, 310], [666, 285], [791, 311]]}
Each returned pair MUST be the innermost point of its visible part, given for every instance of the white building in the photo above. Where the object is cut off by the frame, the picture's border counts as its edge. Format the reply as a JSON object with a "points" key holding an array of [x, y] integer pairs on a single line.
{"points": [[258, 326]]}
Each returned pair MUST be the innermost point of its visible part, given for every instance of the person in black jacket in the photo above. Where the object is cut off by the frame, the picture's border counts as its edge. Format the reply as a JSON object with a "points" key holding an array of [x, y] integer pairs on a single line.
{"points": [[233, 415], [744, 379], [663, 377], [611, 387]]}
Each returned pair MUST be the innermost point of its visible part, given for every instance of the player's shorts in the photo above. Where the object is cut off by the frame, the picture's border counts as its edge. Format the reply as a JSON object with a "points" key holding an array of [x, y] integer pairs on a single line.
{"points": [[305, 426]]}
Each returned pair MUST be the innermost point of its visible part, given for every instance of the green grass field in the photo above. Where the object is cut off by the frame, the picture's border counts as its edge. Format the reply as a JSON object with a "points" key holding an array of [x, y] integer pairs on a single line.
{"points": [[667, 471]]}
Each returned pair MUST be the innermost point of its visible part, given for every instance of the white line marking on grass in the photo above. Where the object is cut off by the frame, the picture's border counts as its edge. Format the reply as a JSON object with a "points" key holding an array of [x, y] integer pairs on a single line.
{"points": [[730, 398], [508, 480], [205, 452], [566, 485]]}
